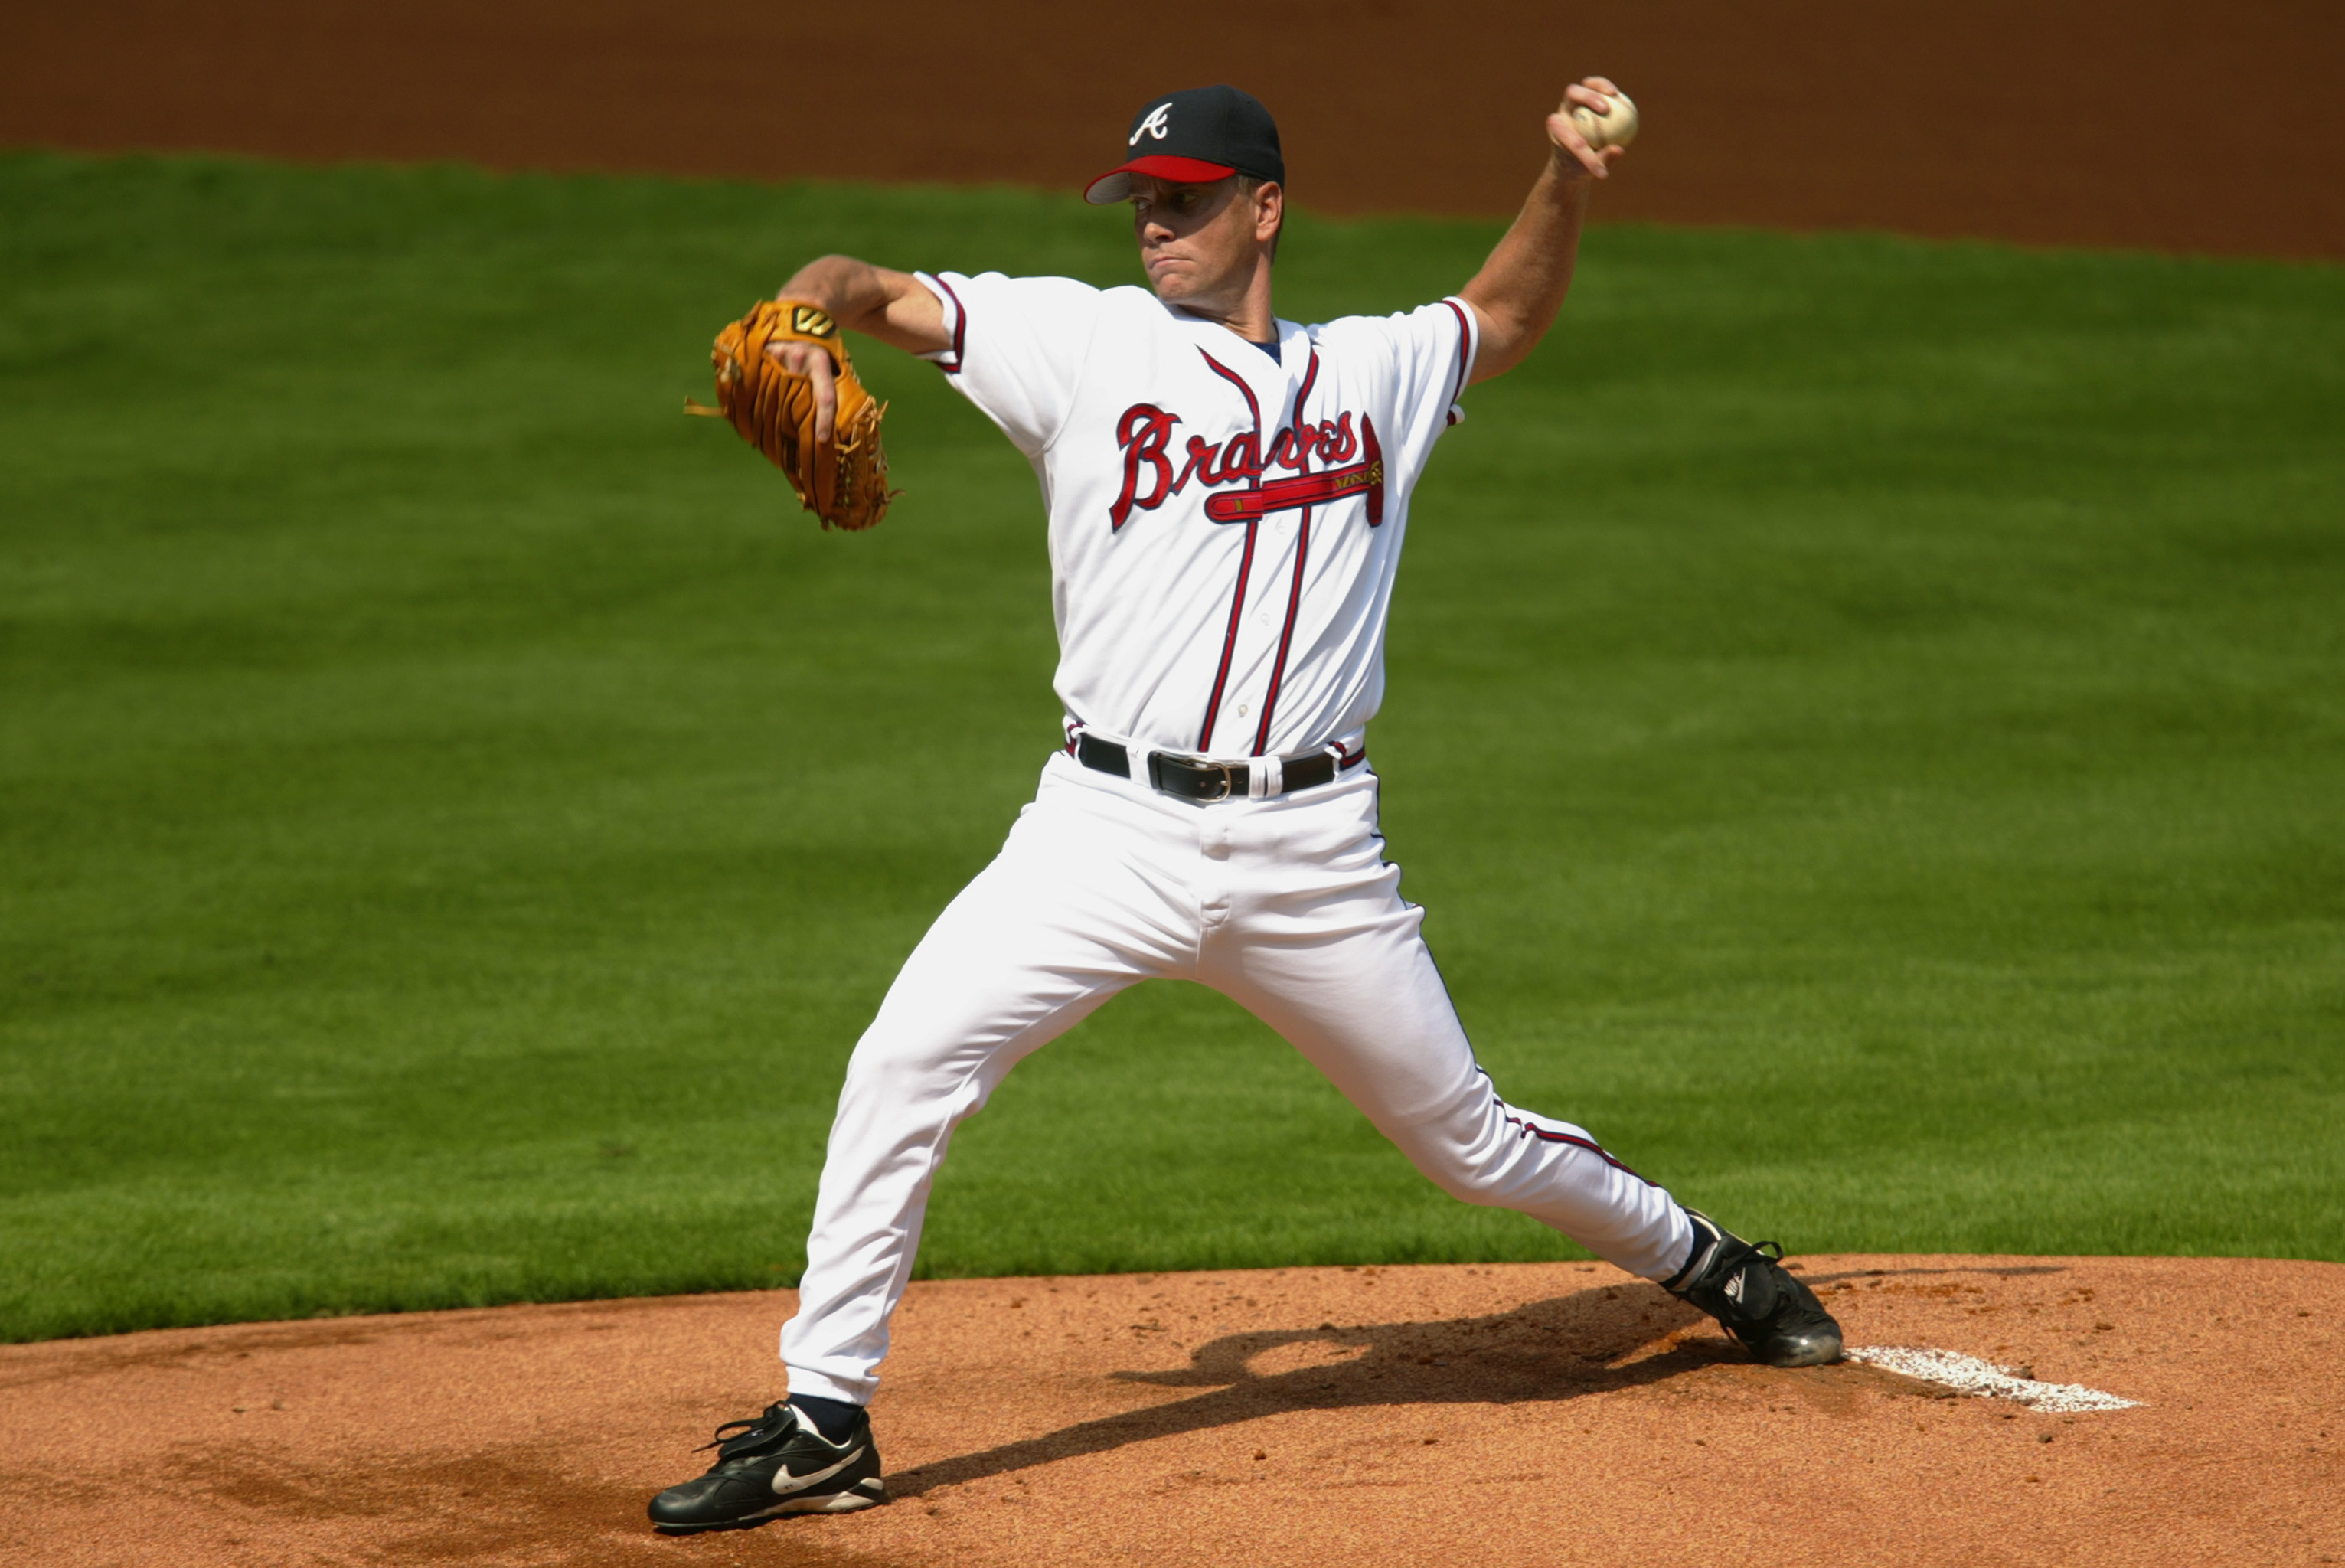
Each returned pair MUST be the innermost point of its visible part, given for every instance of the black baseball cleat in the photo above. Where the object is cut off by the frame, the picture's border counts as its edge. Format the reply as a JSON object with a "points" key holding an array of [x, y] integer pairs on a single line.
{"points": [[1770, 1309], [777, 1464]]}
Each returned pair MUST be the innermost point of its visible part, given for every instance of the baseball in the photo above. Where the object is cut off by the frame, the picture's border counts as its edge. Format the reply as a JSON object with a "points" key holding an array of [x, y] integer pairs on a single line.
{"points": [[1617, 129]]}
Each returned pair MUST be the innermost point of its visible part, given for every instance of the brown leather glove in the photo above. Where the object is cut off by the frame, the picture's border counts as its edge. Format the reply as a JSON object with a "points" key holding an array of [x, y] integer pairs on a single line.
{"points": [[843, 480]]}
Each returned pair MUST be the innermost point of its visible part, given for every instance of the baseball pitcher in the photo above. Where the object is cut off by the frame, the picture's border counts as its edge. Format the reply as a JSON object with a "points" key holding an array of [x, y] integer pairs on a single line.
{"points": [[1227, 494]]}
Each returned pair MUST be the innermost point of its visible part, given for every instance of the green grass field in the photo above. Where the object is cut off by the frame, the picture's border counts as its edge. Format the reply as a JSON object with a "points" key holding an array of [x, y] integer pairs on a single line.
{"points": [[1867, 718]]}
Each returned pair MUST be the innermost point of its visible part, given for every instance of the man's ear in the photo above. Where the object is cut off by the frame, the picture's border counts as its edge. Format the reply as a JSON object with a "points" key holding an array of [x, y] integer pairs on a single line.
{"points": [[1269, 210]]}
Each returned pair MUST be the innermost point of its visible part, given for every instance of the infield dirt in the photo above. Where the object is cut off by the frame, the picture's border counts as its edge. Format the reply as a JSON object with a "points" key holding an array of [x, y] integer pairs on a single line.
{"points": [[1508, 1414]]}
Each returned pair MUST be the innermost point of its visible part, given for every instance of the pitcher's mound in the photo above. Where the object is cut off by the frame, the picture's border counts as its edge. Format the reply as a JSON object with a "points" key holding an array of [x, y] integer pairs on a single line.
{"points": [[1530, 1414]]}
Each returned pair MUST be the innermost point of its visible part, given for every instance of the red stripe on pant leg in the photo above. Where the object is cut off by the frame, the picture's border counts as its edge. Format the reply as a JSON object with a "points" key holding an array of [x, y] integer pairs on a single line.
{"points": [[1547, 1135]]}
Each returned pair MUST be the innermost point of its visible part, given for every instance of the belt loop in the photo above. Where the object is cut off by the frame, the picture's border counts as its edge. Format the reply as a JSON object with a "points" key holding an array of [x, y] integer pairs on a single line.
{"points": [[1266, 777]]}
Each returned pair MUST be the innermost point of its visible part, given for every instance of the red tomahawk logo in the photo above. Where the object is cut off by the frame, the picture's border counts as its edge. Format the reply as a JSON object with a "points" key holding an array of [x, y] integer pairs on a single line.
{"points": [[1310, 489]]}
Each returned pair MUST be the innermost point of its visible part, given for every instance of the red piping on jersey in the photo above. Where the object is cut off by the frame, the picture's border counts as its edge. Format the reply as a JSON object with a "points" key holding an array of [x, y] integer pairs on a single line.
{"points": [[1464, 353], [961, 323], [1309, 379], [1301, 552], [1286, 634], [1229, 644], [1245, 565]]}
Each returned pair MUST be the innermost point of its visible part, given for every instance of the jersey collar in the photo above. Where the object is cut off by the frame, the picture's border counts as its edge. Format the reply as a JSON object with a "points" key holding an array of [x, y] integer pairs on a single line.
{"points": [[1274, 382]]}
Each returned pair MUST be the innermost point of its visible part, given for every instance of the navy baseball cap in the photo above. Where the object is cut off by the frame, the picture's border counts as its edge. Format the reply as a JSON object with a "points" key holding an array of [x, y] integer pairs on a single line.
{"points": [[1195, 137]]}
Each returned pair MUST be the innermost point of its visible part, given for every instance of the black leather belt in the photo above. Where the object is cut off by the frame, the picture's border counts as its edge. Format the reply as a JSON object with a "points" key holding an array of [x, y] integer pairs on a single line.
{"points": [[1192, 778]]}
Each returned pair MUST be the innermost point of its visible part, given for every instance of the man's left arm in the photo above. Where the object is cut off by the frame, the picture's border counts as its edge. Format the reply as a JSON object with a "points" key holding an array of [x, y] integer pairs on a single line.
{"points": [[1520, 287]]}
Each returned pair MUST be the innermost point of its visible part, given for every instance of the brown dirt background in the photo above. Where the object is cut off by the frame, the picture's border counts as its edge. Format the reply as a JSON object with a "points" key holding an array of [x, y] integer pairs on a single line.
{"points": [[1510, 1414], [2168, 124]]}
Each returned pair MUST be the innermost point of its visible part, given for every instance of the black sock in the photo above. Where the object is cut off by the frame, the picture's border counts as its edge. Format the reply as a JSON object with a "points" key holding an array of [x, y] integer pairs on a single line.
{"points": [[834, 1419]]}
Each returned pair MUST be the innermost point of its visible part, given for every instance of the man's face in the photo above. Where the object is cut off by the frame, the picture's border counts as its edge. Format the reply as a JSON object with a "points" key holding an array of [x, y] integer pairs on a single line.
{"points": [[1199, 241]]}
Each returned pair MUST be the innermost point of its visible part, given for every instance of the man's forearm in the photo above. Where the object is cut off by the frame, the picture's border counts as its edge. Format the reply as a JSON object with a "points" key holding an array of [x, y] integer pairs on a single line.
{"points": [[1521, 287], [850, 289], [893, 307]]}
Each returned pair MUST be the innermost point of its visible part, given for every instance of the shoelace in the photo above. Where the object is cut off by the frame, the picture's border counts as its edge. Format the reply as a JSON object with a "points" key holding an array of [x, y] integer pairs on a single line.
{"points": [[1741, 1312], [756, 1426]]}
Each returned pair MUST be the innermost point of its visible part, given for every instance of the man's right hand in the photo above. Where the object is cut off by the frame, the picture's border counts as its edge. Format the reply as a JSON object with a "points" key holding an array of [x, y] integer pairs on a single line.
{"points": [[1572, 152]]}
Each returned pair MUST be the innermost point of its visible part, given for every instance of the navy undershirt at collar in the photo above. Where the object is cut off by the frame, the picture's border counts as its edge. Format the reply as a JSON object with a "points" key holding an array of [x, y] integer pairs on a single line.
{"points": [[1270, 348]]}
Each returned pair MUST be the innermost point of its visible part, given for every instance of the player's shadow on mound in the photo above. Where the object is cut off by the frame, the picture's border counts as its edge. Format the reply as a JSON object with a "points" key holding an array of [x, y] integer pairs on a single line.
{"points": [[1594, 1341]]}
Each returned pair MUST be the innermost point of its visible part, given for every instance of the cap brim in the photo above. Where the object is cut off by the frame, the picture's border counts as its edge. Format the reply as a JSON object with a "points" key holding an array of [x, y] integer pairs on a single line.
{"points": [[1115, 185]]}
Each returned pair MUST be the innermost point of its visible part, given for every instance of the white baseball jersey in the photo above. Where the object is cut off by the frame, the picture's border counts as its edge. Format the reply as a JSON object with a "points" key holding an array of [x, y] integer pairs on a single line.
{"points": [[1223, 526]]}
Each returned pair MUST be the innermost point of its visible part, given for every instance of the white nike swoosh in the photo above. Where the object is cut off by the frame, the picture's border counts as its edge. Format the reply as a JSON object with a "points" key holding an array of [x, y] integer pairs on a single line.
{"points": [[785, 1483]]}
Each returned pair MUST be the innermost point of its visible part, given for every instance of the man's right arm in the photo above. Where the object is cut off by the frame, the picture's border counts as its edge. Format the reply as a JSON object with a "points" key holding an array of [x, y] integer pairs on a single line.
{"points": [[1518, 291], [896, 308]]}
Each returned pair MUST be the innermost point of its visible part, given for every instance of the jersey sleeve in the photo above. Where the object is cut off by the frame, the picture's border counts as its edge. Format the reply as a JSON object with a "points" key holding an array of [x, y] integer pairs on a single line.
{"points": [[1427, 355], [1019, 345]]}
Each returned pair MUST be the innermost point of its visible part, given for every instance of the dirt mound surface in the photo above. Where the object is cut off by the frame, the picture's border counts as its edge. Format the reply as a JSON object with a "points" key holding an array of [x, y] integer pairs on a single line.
{"points": [[2157, 123], [1531, 1414]]}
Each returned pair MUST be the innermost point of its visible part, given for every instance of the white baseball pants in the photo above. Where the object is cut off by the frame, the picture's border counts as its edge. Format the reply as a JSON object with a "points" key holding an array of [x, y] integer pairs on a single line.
{"points": [[1286, 905]]}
